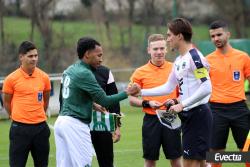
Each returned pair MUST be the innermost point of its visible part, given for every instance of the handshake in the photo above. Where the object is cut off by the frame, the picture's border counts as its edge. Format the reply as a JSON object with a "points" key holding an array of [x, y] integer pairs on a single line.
{"points": [[133, 90]]}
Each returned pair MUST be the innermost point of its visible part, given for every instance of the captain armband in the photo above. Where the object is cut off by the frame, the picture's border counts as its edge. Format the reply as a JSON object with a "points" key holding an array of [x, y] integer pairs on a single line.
{"points": [[201, 73]]}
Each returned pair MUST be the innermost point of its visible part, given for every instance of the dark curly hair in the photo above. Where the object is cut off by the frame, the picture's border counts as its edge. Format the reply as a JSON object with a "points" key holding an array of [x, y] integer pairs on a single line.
{"points": [[84, 44]]}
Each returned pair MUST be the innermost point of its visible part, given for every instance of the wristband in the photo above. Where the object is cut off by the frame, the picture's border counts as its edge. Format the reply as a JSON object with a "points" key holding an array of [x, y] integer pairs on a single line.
{"points": [[145, 104]]}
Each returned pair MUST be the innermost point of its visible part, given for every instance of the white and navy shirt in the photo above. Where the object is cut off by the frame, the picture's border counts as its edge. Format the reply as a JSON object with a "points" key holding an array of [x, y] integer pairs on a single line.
{"points": [[190, 73]]}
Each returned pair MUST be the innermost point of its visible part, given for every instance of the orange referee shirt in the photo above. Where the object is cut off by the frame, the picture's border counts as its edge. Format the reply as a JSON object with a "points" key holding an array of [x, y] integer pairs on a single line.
{"points": [[228, 72], [149, 76], [27, 101]]}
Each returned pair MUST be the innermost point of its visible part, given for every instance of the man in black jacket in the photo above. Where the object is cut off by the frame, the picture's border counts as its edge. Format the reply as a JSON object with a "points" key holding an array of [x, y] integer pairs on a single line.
{"points": [[104, 125]]}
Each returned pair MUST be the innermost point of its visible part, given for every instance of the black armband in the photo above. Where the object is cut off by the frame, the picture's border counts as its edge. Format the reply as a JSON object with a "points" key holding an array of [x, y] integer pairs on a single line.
{"points": [[145, 104]]}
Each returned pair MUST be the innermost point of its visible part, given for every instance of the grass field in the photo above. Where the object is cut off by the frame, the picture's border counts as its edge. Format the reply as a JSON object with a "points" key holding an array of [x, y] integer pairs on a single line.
{"points": [[128, 152]]}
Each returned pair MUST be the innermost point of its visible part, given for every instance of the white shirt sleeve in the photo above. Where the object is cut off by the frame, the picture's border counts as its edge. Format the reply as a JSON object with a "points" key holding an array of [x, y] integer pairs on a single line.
{"points": [[204, 90], [164, 89], [111, 78]]}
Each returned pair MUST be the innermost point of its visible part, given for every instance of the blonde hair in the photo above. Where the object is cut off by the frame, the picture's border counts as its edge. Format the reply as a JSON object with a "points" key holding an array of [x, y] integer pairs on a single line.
{"points": [[155, 37]]}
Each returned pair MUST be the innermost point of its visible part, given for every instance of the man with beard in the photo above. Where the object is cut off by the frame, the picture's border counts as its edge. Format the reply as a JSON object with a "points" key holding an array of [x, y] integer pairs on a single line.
{"points": [[227, 101]]}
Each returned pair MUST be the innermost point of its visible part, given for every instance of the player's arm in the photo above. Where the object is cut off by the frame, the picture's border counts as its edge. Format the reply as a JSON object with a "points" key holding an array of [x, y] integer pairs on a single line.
{"points": [[46, 92], [164, 89], [7, 98], [137, 102], [89, 84], [46, 96], [248, 78], [205, 88], [247, 68]]}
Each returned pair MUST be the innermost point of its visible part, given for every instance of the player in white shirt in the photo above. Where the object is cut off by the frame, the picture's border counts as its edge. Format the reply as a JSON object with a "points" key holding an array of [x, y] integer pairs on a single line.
{"points": [[190, 73]]}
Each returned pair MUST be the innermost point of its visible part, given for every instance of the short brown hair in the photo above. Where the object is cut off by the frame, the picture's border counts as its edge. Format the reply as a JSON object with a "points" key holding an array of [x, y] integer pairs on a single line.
{"points": [[155, 37], [25, 47], [181, 26]]}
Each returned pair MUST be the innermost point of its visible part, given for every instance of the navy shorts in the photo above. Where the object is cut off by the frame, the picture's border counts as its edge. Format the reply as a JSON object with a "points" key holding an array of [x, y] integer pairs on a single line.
{"points": [[234, 116], [196, 132], [155, 135]]}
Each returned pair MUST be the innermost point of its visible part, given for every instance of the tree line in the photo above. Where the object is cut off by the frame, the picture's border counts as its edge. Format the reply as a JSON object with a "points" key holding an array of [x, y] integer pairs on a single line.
{"points": [[150, 14]]}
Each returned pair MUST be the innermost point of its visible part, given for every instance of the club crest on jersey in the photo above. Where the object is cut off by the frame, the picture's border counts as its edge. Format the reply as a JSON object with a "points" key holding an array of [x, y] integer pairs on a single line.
{"points": [[40, 96], [178, 67], [236, 75], [183, 65]]}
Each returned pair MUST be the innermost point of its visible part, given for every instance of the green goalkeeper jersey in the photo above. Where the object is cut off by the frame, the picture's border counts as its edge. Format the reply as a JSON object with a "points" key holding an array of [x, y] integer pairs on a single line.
{"points": [[80, 89]]}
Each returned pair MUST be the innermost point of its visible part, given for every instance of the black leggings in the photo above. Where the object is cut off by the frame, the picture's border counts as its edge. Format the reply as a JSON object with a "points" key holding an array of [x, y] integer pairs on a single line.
{"points": [[103, 145]]}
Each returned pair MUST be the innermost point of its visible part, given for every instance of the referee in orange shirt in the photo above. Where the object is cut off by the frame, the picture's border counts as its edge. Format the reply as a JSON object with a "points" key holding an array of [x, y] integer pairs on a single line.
{"points": [[26, 93], [154, 134], [229, 69]]}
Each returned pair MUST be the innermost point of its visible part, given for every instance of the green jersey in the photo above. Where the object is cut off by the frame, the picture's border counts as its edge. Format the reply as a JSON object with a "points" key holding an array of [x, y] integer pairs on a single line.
{"points": [[80, 89]]}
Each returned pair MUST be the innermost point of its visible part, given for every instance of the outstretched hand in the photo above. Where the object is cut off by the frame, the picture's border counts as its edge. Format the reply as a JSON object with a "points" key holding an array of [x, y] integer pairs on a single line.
{"points": [[133, 89]]}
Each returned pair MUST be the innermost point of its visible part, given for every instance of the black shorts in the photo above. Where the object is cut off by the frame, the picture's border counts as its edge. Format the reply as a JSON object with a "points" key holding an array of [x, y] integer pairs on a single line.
{"points": [[155, 135], [25, 138], [234, 116], [196, 132]]}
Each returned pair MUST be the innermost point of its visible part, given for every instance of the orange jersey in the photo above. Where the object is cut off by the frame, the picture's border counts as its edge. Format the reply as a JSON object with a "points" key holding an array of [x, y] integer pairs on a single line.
{"points": [[149, 76], [27, 101], [228, 72]]}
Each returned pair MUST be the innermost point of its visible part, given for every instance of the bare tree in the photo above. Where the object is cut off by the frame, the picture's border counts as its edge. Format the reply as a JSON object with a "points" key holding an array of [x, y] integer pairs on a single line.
{"points": [[106, 20], [99, 14], [131, 11], [233, 12], [18, 7], [39, 13], [120, 25], [2, 25], [149, 13]]}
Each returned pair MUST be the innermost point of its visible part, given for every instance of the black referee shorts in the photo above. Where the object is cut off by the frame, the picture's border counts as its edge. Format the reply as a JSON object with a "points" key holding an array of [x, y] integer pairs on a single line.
{"points": [[234, 116], [155, 135], [29, 137]]}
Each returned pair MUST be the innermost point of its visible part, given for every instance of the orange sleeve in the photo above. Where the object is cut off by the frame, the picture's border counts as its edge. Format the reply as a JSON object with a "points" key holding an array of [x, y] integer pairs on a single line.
{"points": [[47, 83], [7, 86], [135, 78], [247, 67]]}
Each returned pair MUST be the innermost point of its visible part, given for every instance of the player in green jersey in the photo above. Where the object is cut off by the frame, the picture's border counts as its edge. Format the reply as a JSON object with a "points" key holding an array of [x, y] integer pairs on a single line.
{"points": [[80, 89]]}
